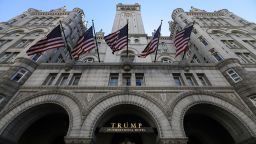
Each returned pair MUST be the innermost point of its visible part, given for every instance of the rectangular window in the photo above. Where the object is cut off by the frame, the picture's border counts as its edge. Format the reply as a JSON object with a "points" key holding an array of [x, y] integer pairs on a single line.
{"points": [[23, 43], [139, 79], [50, 78], [204, 81], [127, 79], [217, 56], [203, 40], [240, 55], [190, 79], [60, 59], [63, 79], [12, 57], [3, 42], [35, 57], [5, 56], [19, 75], [249, 57], [195, 59], [75, 79], [178, 80], [252, 43], [233, 75], [113, 79]]}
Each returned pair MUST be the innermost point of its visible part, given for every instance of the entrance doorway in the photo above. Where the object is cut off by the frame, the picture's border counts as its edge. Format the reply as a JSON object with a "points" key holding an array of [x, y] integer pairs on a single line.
{"points": [[125, 124], [42, 124], [202, 125]]}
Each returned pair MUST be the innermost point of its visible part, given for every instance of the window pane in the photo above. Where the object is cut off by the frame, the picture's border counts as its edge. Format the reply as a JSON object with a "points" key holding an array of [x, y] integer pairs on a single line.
{"points": [[75, 79], [177, 79], [63, 79], [113, 80], [127, 79], [50, 78], [139, 79], [19, 74], [204, 81]]}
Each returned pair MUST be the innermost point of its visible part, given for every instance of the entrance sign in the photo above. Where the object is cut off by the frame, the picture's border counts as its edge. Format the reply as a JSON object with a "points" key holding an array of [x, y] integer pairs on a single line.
{"points": [[126, 128]]}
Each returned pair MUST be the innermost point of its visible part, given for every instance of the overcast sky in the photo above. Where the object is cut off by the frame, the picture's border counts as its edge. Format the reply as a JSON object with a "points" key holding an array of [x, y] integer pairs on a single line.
{"points": [[103, 11]]}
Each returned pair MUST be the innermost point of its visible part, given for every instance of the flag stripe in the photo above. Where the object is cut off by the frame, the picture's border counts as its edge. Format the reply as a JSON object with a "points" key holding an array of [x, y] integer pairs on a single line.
{"points": [[181, 40], [152, 45], [84, 44], [52, 40], [118, 40]]}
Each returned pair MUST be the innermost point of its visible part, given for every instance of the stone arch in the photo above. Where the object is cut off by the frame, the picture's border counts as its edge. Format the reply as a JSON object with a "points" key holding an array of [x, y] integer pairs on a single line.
{"points": [[114, 93], [68, 104], [131, 50], [184, 104], [131, 55], [160, 119], [161, 57], [85, 57]]}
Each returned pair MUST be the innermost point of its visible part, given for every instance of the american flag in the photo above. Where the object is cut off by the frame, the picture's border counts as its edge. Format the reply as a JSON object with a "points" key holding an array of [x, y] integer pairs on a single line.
{"points": [[152, 45], [181, 40], [52, 40], [84, 44], [118, 40]]}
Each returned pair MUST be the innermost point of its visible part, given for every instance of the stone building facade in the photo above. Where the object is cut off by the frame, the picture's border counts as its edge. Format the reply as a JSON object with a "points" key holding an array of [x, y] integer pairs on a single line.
{"points": [[207, 98]]}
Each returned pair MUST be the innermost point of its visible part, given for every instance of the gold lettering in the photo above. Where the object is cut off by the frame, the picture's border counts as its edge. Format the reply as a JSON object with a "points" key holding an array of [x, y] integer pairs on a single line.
{"points": [[140, 124], [119, 125], [133, 125], [126, 125], [113, 125]]}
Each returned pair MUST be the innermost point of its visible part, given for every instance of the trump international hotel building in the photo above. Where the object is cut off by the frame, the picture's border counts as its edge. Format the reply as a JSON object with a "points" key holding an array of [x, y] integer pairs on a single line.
{"points": [[207, 98]]}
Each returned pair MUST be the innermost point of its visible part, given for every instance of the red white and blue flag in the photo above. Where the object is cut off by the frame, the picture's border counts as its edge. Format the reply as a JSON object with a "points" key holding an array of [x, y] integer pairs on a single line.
{"points": [[84, 44], [181, 40], [118, 40], [152, 45], [51, 41]]}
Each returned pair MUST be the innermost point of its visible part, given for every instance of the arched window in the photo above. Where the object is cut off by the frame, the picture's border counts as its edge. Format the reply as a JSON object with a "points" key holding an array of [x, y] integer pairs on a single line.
{"points": [[88, 60], [166, 60], [130, 57], [136, 41]]}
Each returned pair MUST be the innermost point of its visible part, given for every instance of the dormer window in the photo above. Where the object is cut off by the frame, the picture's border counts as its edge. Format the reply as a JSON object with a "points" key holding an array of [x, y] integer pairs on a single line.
{"points": [[127, 58], [166, 60], [88, 60]]}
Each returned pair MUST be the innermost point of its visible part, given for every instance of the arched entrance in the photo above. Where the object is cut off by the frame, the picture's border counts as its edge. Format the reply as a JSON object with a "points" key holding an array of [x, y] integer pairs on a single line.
{"points": [[209, 119], [125, 124], [206, 124], [42, 124]]}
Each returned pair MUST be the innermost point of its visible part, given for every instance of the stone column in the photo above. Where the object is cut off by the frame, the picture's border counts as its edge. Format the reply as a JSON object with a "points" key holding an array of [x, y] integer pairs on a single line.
{"points": [[78, 140], [173, 141]]}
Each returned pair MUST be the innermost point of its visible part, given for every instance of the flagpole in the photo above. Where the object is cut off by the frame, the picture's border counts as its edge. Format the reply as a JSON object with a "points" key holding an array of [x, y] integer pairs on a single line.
{"points": [[96, 40], [65, 40], [158, 40], [127, 39], [187, 46]]}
